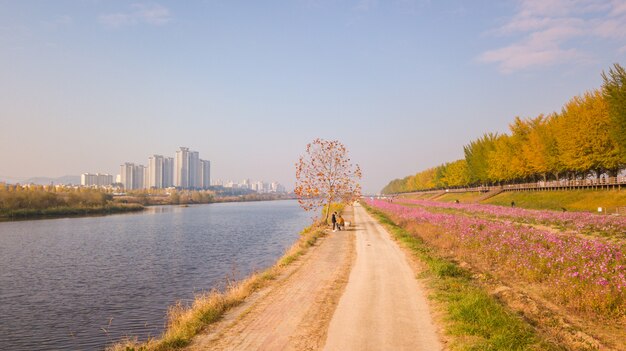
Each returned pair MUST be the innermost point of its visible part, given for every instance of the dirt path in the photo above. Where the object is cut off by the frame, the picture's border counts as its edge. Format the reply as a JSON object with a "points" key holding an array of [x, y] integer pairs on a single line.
{"points": [[383, 306], [354, 290], [294, 312]]}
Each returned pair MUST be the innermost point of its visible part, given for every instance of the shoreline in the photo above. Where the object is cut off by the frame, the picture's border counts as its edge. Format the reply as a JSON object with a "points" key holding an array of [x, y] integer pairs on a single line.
{"points": [[111, 209], [69, 212], [186, 321]]}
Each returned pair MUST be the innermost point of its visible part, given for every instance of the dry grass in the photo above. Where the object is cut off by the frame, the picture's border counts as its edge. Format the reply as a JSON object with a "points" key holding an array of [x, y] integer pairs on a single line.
{"points": [[184, 321]]}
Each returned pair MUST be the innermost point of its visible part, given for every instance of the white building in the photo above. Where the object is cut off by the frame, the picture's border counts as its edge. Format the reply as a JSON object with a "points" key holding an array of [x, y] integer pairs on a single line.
{"points": [[246, 184], [168, 172], [191, 172], [127, 172], [205, 174], [98, 179], [133, 176], [194, 170], [155, 171], [139, 174], [181, 168], [146, 178]]}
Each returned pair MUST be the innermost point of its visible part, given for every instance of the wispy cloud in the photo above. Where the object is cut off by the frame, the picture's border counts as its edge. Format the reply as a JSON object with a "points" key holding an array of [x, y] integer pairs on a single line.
{"points": [[153, 14], [550, 32], [366, 5]]}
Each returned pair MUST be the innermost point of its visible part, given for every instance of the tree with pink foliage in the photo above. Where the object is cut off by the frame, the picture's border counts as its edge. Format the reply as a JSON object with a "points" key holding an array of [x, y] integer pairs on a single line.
{"points": [[325, 175]]}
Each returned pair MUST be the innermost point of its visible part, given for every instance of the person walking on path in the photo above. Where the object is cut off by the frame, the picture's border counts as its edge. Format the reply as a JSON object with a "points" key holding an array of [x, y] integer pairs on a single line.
{"points": [[340, 223], [334, 220]]}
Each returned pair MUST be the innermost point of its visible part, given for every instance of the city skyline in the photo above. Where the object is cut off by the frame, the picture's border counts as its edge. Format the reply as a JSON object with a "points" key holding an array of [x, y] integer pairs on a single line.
{"points": [[403, 84], [186, 170]]}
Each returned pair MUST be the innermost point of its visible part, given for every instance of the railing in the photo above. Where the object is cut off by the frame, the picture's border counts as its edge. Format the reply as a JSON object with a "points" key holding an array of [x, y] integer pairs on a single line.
{"points": [[604, 182]]}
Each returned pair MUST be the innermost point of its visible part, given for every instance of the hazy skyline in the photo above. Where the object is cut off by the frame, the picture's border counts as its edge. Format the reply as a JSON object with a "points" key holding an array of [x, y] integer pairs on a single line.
{"points": [[86, 85]]}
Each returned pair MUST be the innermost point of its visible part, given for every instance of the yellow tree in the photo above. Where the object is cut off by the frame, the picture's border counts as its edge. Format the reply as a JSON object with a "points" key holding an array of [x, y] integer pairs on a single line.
{"points": [[585, 142], [476, 157], [539, 150], [614, 89], [325, 175], [457, 174], [501, 160]]}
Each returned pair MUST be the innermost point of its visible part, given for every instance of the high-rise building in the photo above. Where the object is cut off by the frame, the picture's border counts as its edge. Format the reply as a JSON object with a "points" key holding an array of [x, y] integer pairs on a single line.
{"points": [[146, 178], [191, 172], [98, 179], [155, 171], [133, 176], [168, 172], [139, 173], [260, 187], [181, 168], [127, 171], [194, 170], [205, 174]]}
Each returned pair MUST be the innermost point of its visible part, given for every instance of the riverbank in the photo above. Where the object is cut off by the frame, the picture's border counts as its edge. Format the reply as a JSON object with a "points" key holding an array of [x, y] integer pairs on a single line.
{"points": [[67, 211], [24, 202], [115, 207], [185, 321]]}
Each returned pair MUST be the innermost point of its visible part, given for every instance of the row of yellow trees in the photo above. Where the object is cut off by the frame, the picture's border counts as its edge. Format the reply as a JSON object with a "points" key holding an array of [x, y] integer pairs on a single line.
{"points": [[587, 138], [38, 197]]}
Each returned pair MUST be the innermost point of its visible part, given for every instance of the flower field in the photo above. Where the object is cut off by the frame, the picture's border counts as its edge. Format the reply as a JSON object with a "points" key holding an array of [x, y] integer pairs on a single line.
{"points": [[583, 222], [585, 275]]}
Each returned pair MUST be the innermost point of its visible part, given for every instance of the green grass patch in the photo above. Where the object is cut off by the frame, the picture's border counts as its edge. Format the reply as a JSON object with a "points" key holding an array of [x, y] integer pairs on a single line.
{"points": [[475, 320], [65, 211], [421, 196], [467, 197], [571, 200]]}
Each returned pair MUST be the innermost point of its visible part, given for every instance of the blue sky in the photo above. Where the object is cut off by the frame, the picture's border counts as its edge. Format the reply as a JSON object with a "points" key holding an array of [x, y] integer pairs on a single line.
{"points": [[86, 85]]}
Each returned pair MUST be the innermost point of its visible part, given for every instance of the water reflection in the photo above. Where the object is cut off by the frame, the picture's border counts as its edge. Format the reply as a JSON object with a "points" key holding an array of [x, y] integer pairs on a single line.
{"points": [[79, 283]]}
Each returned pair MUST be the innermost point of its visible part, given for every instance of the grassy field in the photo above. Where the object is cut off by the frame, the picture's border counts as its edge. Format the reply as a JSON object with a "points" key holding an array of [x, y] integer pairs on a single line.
{"points": [[570, 200], [422, 196], [462, 197]]}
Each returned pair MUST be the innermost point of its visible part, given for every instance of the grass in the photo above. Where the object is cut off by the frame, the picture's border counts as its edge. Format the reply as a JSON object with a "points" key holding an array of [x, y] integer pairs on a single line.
{"points": [[422, 196], [186, 321], [465, 198], [571, 200], [474, 319], [63, 211]]}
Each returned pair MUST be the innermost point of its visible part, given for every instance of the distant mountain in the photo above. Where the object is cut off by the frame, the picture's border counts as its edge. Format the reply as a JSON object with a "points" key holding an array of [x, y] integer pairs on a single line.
{"points": [[10, 180], [68, 179]]}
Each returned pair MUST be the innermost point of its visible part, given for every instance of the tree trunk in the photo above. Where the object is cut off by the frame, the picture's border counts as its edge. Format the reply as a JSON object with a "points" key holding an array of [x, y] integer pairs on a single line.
{"points": [[330, 199]]}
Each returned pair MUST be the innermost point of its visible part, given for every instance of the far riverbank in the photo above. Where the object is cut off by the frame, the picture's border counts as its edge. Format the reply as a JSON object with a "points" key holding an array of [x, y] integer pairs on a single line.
{"points": [[39, 202]]}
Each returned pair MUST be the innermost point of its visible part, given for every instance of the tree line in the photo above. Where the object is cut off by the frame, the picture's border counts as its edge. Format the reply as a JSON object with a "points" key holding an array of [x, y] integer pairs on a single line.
{"points": [[16, 197], [587, 138]]}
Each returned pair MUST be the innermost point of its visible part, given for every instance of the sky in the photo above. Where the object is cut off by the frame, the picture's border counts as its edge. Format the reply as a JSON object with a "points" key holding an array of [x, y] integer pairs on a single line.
{"points": [[86, 85]]}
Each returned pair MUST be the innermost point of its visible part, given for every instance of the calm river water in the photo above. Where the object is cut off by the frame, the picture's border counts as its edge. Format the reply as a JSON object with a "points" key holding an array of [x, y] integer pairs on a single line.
{"points": [[82, 283]]}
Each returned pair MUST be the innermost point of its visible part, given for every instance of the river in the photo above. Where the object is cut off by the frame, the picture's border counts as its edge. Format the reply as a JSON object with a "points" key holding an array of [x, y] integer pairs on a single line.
{"points": [[83, 283]]}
